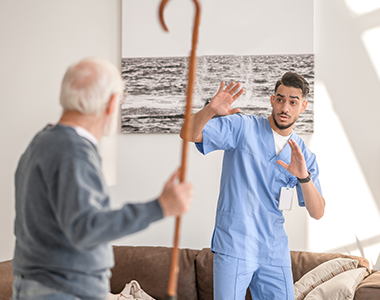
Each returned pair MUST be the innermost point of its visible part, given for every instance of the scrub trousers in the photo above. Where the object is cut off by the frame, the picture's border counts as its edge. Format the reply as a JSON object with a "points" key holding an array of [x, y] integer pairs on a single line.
{"points": [[232, 277]]}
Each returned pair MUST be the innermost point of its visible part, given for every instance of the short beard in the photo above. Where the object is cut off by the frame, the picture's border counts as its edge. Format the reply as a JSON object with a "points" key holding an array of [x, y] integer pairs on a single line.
{"points": [[282, 127]]}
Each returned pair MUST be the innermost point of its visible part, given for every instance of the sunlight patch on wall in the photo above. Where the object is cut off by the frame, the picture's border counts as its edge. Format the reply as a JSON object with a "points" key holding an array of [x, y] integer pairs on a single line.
{"points": [[349, 202], [360, 7], [371, 40]]}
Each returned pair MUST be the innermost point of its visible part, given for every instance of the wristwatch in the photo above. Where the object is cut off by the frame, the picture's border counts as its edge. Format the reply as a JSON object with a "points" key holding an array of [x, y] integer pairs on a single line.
{"points": [[304, 180]]}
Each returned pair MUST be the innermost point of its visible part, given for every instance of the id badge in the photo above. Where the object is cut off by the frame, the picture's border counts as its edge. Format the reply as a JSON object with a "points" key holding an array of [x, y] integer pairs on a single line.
{"points": [[286, 198]]}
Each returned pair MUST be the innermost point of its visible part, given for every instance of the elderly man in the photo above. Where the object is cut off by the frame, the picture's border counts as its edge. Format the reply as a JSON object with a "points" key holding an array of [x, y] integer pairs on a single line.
{"points": [[64, 222], [264, 164]]}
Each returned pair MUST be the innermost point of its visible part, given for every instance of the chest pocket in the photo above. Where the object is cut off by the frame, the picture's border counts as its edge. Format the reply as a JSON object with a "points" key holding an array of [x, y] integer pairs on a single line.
{"points": [[281, 179], [288, 179]]}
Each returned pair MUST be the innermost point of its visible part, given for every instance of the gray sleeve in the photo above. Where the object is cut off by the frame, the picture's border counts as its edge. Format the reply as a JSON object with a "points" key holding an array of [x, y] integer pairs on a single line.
{"points": [[80, 201]]}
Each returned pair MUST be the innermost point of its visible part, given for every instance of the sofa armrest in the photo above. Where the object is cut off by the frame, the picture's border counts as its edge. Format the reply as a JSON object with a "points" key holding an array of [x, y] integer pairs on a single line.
{"points": [[369, 289]]}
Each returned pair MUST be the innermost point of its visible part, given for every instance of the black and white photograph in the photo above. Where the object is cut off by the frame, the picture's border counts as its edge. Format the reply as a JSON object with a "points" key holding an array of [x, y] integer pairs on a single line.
{"points": [[255, 49]]}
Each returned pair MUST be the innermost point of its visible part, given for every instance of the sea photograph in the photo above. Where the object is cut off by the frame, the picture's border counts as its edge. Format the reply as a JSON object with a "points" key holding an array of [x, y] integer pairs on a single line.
{"points": [[157, 87], [254, 46]]}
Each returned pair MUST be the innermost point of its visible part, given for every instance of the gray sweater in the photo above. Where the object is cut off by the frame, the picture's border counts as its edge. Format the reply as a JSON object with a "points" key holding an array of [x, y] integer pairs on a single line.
{"points": [[64, 222]]}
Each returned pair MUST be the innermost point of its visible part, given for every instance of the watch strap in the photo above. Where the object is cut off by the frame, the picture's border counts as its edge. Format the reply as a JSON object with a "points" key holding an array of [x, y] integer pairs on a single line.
{"points": [[304, 180]]}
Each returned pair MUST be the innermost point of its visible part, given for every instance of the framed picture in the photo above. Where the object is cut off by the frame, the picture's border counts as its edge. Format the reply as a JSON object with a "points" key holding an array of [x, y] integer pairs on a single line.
{"points": [[252, 42]]}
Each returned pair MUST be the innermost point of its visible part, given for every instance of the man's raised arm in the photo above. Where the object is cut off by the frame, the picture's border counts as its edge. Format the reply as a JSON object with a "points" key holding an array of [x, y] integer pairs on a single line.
{"points": [[220, 104]]}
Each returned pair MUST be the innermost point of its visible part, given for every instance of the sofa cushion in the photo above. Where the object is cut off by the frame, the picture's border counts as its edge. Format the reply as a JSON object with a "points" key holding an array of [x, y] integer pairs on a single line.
{"points": [[321, 274], [150, 267], [303, 262], [342, 286], [204, 269], [6, 280]]}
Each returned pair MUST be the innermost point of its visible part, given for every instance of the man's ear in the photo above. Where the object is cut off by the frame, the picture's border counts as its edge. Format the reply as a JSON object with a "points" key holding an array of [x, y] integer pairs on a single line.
{"points": [[271, 100], [112, 102], [304, 105]]}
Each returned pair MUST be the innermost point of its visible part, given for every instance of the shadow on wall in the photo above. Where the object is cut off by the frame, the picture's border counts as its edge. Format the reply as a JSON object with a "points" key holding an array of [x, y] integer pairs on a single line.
{"points": [[346, 139], [354, 95]]}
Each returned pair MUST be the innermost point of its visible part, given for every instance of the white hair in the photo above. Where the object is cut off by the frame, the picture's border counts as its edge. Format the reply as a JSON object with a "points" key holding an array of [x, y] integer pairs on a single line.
{"points": [[89, 84]]}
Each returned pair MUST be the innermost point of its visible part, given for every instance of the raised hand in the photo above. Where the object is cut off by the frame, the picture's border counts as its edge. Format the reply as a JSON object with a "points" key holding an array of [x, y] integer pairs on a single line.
{"points": [[222, 101], [297, 166], [220, 104]]}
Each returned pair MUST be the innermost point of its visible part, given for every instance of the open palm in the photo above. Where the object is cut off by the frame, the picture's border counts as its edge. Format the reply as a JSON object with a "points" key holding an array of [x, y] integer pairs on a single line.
{"points": [[297, 166], [222, 101]]}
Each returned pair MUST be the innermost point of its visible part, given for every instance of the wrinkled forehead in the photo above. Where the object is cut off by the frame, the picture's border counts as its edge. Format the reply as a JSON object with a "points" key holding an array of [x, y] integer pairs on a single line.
{"points": [[289, 92]]}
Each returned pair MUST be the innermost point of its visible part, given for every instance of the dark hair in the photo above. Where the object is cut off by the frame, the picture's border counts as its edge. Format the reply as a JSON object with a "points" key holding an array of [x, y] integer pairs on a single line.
{"points": [[291, 79]]}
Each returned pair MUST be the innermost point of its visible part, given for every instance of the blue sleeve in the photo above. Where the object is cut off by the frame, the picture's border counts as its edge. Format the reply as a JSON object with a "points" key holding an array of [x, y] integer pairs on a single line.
{"points": [[312, 166], [81, 204], [221, 133]]}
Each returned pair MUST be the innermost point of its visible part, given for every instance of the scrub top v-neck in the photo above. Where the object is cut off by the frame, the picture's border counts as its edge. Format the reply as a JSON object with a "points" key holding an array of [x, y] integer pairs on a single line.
{"points": [[249, 225]]}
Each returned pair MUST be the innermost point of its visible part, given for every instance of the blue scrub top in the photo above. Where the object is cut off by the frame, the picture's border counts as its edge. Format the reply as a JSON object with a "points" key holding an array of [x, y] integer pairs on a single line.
{"points": [[249, 224]]}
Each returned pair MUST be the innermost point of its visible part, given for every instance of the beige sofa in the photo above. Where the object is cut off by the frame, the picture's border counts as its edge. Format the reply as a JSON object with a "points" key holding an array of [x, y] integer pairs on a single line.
{"points": [[150, 267]]}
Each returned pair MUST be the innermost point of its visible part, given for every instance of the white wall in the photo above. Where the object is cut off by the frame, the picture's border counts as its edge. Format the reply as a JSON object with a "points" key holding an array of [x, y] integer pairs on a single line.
{"points": [[347, 139], [40, 38]]}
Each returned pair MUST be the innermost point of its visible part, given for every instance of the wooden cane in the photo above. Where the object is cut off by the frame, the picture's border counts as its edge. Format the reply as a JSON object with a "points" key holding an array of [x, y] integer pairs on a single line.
{"points": [[174, 266]]}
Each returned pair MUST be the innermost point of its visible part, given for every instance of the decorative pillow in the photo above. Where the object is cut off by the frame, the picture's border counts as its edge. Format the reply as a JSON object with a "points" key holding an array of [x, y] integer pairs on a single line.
{"points": [[321, 274], [131, 291], [342, 286]]}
